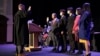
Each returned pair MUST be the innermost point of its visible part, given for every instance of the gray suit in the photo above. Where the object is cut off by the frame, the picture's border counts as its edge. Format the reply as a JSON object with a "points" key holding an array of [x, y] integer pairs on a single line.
{"points": [[54, 28]]}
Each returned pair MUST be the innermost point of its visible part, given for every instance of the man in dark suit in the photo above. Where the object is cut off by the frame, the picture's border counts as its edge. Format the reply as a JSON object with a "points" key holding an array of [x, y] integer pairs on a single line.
{"points": [[62, 30], [69, 29], [54, 31]]}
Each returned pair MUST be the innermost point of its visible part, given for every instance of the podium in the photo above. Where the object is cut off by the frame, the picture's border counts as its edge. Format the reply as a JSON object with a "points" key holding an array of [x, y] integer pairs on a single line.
{"points": [[3, 29], [34, 32]]}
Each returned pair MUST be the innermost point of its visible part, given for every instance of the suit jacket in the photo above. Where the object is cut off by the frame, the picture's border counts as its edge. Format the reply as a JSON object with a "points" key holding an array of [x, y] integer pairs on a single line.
{"points": [[70, 22], [84, 25], [55, 25], [63, 24]]}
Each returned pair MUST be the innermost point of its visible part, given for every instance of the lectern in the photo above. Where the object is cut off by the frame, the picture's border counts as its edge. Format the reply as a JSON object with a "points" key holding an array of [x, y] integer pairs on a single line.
{"points": [[3, 29], [34, 32]]}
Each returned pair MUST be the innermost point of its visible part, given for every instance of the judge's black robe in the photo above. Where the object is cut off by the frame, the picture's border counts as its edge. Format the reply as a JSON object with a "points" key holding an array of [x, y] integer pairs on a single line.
{"points": [[21, 33]]}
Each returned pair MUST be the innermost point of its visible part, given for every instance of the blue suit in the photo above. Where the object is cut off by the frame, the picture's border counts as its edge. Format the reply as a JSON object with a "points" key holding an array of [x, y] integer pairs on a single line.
{"points": [[84, 25]]}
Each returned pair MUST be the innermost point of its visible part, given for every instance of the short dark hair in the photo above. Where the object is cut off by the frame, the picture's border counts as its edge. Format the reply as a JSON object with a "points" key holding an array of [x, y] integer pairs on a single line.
{"points": [[22, 6], [62, 10], [70, 9], [54, 14]]}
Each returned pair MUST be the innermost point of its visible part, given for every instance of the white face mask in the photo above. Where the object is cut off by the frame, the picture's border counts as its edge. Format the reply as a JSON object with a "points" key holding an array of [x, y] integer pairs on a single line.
{"points": [[60, 13], [68, 12]]}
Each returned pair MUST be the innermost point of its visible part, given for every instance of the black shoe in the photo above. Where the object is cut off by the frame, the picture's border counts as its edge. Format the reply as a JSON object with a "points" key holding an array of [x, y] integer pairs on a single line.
{"points": [[79, 52], [71, 51], [54, 49], [88, 54], [62, 51], [57, 51]]}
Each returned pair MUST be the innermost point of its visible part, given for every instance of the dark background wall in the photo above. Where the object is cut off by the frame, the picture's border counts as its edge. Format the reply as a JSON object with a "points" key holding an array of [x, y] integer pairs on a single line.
{"points": [[43, 8]]}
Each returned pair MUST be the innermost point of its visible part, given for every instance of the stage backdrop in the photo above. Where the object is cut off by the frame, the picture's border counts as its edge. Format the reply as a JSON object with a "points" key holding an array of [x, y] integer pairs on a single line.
{"points": [[6, 10]]}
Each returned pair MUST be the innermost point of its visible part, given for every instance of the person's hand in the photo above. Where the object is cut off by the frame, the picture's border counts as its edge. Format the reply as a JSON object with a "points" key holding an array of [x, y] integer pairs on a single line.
{"points": [[78, 28], [47, 19], [29, 8], [73, 32]]}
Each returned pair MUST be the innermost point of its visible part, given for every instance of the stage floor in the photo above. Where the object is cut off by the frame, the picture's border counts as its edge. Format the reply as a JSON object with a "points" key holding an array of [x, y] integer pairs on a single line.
{"points": [[9, 50]]}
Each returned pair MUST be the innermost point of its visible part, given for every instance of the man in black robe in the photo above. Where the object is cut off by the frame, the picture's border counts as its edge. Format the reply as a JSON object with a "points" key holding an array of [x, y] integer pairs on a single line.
{"points": [[21, 33]]}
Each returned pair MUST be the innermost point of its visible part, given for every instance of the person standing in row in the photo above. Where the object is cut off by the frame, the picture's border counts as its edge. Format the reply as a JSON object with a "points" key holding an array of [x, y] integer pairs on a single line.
{"points": [[54, 30], [84, 28], [69, 29], [62, 28], [76, 29]]}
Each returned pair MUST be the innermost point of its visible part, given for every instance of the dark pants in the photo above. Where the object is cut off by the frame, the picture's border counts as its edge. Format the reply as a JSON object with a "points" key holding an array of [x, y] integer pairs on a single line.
{"points": [[71, 40], [63, 42], [55, 40], [93, 42], [20, 49]]}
